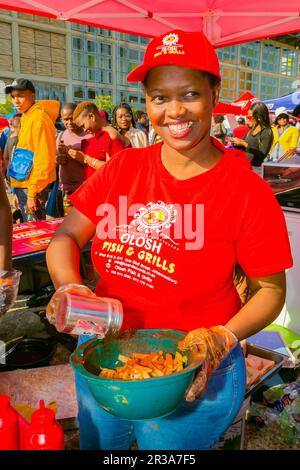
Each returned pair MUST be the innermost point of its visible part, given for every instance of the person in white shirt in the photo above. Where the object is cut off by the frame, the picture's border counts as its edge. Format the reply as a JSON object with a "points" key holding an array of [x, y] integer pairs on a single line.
{"points": [[123, 121]]}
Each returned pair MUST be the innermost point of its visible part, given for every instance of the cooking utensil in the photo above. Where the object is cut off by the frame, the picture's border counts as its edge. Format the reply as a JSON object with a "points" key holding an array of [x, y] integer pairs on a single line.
{"points": [[134, 399], [15, 342], [29, 353]]}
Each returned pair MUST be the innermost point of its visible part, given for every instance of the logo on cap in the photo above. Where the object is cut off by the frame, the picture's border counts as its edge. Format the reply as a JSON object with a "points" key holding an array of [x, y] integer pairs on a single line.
{"points": [[14, 83], [169, 45], [170, 39]]}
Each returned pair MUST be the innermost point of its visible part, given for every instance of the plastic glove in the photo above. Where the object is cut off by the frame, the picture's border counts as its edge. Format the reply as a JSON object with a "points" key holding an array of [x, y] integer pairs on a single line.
{"points": [[72, 288], [217, 341], [9, 285]]}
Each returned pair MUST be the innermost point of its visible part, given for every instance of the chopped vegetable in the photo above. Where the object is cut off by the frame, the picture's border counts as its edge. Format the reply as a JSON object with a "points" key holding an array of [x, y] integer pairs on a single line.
{"points": [[145, 366]]}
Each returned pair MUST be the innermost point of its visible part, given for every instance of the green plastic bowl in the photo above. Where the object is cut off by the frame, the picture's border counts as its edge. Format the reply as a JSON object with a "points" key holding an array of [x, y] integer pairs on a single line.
{"points": [[134, 399]]}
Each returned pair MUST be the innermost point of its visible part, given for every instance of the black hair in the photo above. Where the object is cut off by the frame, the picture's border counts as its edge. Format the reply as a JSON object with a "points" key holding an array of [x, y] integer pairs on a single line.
{"points": [[70, 106], [281, 115], [105, 114], [296, 111], [139, 114], [260, 113], [219, 118], [241, 120], [114, 114]]}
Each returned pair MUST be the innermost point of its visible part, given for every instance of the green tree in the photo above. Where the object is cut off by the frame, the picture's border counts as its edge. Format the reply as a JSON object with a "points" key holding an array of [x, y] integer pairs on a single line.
{"points": [[6, 107], [104, 102]]}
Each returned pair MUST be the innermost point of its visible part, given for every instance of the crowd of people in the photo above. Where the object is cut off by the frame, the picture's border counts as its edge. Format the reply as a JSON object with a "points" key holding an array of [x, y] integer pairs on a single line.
{"points": [[260, 138]]}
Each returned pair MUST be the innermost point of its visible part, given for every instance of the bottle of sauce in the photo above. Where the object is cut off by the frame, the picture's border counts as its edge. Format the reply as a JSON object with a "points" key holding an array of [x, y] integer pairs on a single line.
{"points": [[9, 425], [44, 433]]}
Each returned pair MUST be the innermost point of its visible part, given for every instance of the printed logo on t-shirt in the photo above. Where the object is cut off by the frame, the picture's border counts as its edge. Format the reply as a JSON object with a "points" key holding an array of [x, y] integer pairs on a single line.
{"points": [[142, 242], [154, 217]]}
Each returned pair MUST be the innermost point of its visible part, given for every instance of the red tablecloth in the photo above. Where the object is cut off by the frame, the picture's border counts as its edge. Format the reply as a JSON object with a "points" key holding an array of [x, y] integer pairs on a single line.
{"points": [[30, 237]]}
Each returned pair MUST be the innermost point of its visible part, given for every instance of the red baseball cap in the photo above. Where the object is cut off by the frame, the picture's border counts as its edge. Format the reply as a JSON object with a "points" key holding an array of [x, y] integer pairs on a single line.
{"points": [[181, 48]]}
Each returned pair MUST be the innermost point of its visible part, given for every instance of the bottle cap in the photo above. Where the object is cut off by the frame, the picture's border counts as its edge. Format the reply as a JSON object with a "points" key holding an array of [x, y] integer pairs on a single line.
{"points": [[43, 414]]}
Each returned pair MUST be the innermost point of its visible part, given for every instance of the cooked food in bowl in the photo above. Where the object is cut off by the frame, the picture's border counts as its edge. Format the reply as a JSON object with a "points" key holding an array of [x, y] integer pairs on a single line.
{"points": [[146, 366], [136, 399]]}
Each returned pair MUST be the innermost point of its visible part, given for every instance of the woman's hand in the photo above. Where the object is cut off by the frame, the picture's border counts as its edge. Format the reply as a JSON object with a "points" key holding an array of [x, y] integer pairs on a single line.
{"points": [[77, 155], [32, 204], [213, 344], [237, 141], [62, 154], [71, 288]]}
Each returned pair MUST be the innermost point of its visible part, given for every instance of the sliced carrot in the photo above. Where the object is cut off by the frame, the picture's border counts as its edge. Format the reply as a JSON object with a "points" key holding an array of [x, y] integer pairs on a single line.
{"points": [[144, 366]]}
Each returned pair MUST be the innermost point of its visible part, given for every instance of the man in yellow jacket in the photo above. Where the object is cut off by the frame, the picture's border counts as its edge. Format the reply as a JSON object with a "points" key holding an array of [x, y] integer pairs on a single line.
{"points": [[33, 165]]}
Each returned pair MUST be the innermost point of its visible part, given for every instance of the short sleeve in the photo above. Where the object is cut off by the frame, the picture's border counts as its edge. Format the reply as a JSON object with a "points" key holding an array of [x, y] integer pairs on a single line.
{"points": [[263, 246], [90, 194], [116, 146]]}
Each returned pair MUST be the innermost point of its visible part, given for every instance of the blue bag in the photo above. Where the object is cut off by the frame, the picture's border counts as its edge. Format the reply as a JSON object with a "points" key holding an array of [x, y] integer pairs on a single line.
{"points": [[51, 203], [21, 164]]}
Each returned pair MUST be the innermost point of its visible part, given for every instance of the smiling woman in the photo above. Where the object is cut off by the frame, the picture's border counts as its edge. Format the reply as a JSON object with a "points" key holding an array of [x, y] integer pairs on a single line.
{"points": [[179, 103], [171, 281]]}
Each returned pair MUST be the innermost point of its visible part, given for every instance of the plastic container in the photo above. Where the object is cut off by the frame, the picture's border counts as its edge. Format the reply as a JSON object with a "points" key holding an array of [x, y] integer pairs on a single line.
{"points": [[43, 433], [90, 316], [131, 399], [9, 425]]}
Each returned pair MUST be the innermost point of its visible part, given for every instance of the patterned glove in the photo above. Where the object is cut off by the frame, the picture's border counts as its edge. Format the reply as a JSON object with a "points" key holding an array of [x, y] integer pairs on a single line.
{"points": [[72, 288], [9, 285], [217, 341]]}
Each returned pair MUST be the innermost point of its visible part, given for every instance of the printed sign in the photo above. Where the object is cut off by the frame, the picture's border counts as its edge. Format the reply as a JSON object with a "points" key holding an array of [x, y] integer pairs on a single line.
{"points": [[30, 237]]}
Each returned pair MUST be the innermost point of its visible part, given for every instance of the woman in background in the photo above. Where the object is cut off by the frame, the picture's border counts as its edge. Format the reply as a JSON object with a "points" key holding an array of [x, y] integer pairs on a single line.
{"points": [[258, 140], [285, 136], [123, 121], [218, 129]]}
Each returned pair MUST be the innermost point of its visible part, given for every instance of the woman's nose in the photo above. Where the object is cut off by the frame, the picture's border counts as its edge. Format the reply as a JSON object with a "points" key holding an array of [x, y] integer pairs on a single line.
{"points": [[175, 109]]}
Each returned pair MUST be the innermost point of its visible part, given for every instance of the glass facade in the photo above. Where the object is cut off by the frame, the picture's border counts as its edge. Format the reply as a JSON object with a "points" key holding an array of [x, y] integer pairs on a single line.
{"points": [[269, 87], [270, 58], [49, 91], [250, 54], [289, 62], [248, 81], [127, 59], [96, 53], [228, 54], [286, 86], [264, 68], [91, 61]]}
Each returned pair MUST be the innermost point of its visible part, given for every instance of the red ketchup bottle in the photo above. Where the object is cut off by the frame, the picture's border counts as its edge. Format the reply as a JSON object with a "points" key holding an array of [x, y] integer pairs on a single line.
{"points": [[9, 425], [44, 433]]}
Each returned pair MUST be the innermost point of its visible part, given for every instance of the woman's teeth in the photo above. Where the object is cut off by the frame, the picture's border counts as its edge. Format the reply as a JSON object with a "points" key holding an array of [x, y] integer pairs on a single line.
{"points": [[180, 128]]}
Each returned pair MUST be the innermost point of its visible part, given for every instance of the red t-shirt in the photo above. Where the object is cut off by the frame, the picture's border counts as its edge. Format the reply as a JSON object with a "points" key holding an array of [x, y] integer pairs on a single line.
{"points": [[97, 147], [240, 131], [161, 281]]}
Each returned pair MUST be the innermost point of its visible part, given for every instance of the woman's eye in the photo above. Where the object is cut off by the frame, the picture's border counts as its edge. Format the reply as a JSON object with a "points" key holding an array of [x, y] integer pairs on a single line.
{"points": [[191, 94], [158, 99]]}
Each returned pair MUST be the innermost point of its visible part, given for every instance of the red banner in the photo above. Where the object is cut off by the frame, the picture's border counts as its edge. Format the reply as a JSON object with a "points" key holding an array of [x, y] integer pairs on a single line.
{"points": [[30, 237]]}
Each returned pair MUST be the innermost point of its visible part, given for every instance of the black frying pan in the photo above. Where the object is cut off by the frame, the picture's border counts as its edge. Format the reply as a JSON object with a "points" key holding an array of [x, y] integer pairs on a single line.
{"points": [[29, 353]]}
